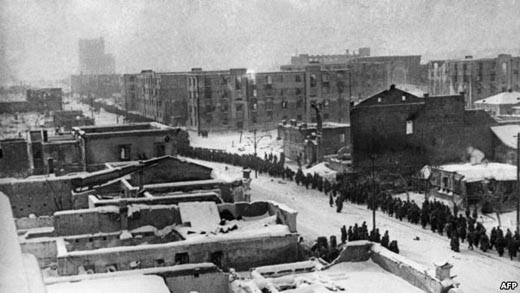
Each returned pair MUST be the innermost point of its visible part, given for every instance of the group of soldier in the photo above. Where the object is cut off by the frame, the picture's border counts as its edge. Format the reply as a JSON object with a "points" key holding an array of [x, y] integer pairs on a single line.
{"points": [[437, 215], [270, 164], [330, 250]]}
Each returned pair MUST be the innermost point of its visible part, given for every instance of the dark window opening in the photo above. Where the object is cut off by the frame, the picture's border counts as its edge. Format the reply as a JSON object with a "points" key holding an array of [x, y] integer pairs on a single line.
{"points": [[182, 258], [124, 152], [313, 80], [217, 258]]}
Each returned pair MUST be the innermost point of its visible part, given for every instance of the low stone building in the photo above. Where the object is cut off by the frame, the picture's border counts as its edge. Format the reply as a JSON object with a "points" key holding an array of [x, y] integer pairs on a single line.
{"points": [[127, 142], [299, 140]]}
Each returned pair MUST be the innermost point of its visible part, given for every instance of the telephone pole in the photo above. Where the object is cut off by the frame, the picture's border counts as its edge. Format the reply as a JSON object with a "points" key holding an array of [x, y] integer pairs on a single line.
{"points": [[255, 140], [518, 182]]}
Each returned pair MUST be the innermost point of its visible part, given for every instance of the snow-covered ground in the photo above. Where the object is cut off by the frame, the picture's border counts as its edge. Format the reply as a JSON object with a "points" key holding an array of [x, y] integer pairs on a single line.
{"points": [[235, 142], [477, 271], [101, 118]]}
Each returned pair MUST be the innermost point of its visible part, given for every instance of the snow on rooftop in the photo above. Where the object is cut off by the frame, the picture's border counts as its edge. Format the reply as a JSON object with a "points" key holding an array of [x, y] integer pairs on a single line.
{"points": [[507, 134], [323, 170], [504, 98], [360, 277], [486, 171], [125, 284]]}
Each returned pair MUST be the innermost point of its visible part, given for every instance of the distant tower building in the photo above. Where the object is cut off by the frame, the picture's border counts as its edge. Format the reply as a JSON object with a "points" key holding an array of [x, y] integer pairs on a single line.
{"points": [[92, 57]]}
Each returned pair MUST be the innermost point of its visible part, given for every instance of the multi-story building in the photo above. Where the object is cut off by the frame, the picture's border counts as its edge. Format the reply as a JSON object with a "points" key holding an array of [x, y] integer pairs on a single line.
{"points": [[367, 74], [397, 129], [305, 59], [160, 96], [47, 99], [129, 91], [103, 86], [235, 99], [218, 100], [479, 78], [93, 59]]}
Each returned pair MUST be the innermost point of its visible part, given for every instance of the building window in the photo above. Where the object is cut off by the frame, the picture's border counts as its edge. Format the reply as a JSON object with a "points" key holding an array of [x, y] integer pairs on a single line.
{"points": [[313, 80], [182, 258], [297, 78], [270, 115], [269, 104], [409, 127], [284, 104], [403, 98], [326, 116], [238, 82], [224, 106], [124, 152], [254, 93], [379, 100], [299, 118], [342, 138], [254, 104], [298, 91], [225, 121], [268, 79], [299, 103], [325, 78], [240, 108]]}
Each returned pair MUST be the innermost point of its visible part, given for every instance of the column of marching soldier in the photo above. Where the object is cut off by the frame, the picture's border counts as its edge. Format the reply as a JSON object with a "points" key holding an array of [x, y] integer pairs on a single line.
{"points": [[458, 228]]}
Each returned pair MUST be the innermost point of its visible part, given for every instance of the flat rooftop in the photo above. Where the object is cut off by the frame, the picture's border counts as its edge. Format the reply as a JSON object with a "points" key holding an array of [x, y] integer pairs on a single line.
{"points": [[485, 171], [121, 128], [352, 277]]}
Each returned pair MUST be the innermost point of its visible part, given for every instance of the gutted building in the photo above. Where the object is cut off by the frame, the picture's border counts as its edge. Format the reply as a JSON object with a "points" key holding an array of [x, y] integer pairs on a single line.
{"points": [[397, 129]]}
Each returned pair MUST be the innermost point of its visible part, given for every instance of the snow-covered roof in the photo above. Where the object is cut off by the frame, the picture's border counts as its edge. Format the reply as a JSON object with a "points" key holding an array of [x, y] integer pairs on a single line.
{"points": [[323, 170], [480, 172], [507, 134], [501, 99], [126, 284]]}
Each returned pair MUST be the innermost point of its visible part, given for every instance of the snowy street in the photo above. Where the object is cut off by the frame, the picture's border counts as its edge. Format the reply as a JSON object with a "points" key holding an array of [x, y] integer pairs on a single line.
{"points": [[477, 271]]}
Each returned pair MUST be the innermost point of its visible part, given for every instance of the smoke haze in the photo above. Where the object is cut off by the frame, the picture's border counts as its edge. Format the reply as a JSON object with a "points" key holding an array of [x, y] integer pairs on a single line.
{"points": [[39, 38]]}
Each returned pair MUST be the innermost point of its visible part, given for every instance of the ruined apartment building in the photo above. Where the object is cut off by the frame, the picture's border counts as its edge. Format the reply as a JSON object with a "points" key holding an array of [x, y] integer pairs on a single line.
{"points": [[94, 86], [36, 100], [299, 140], [88, 148], [478, 78], [235, 99], [395, 128], [368, 74]]}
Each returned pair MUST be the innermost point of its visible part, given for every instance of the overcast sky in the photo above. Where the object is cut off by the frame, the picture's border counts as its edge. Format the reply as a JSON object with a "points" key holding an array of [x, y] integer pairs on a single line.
{"points": [[39, 38]]}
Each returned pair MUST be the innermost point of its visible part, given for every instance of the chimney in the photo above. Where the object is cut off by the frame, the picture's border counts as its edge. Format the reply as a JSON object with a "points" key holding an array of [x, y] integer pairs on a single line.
{"points": [[392, 86], [469, 57], [426, 95], [510, 90]]}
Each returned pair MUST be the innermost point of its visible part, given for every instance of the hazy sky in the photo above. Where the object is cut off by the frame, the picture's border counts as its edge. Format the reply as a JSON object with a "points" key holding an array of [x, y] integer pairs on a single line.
{"points": [[39, 38]]}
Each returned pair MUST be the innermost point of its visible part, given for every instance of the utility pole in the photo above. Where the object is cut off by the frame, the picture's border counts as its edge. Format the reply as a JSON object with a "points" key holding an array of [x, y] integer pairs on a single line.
{"points": [[373, 194], [255, 140], [518, 183], [319, 129], [91, 105]]}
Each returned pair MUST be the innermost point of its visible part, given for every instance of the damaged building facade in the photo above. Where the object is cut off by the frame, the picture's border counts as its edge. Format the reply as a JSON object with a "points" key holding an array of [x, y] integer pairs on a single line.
{"points": [[89, 147], [394, 128]]}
